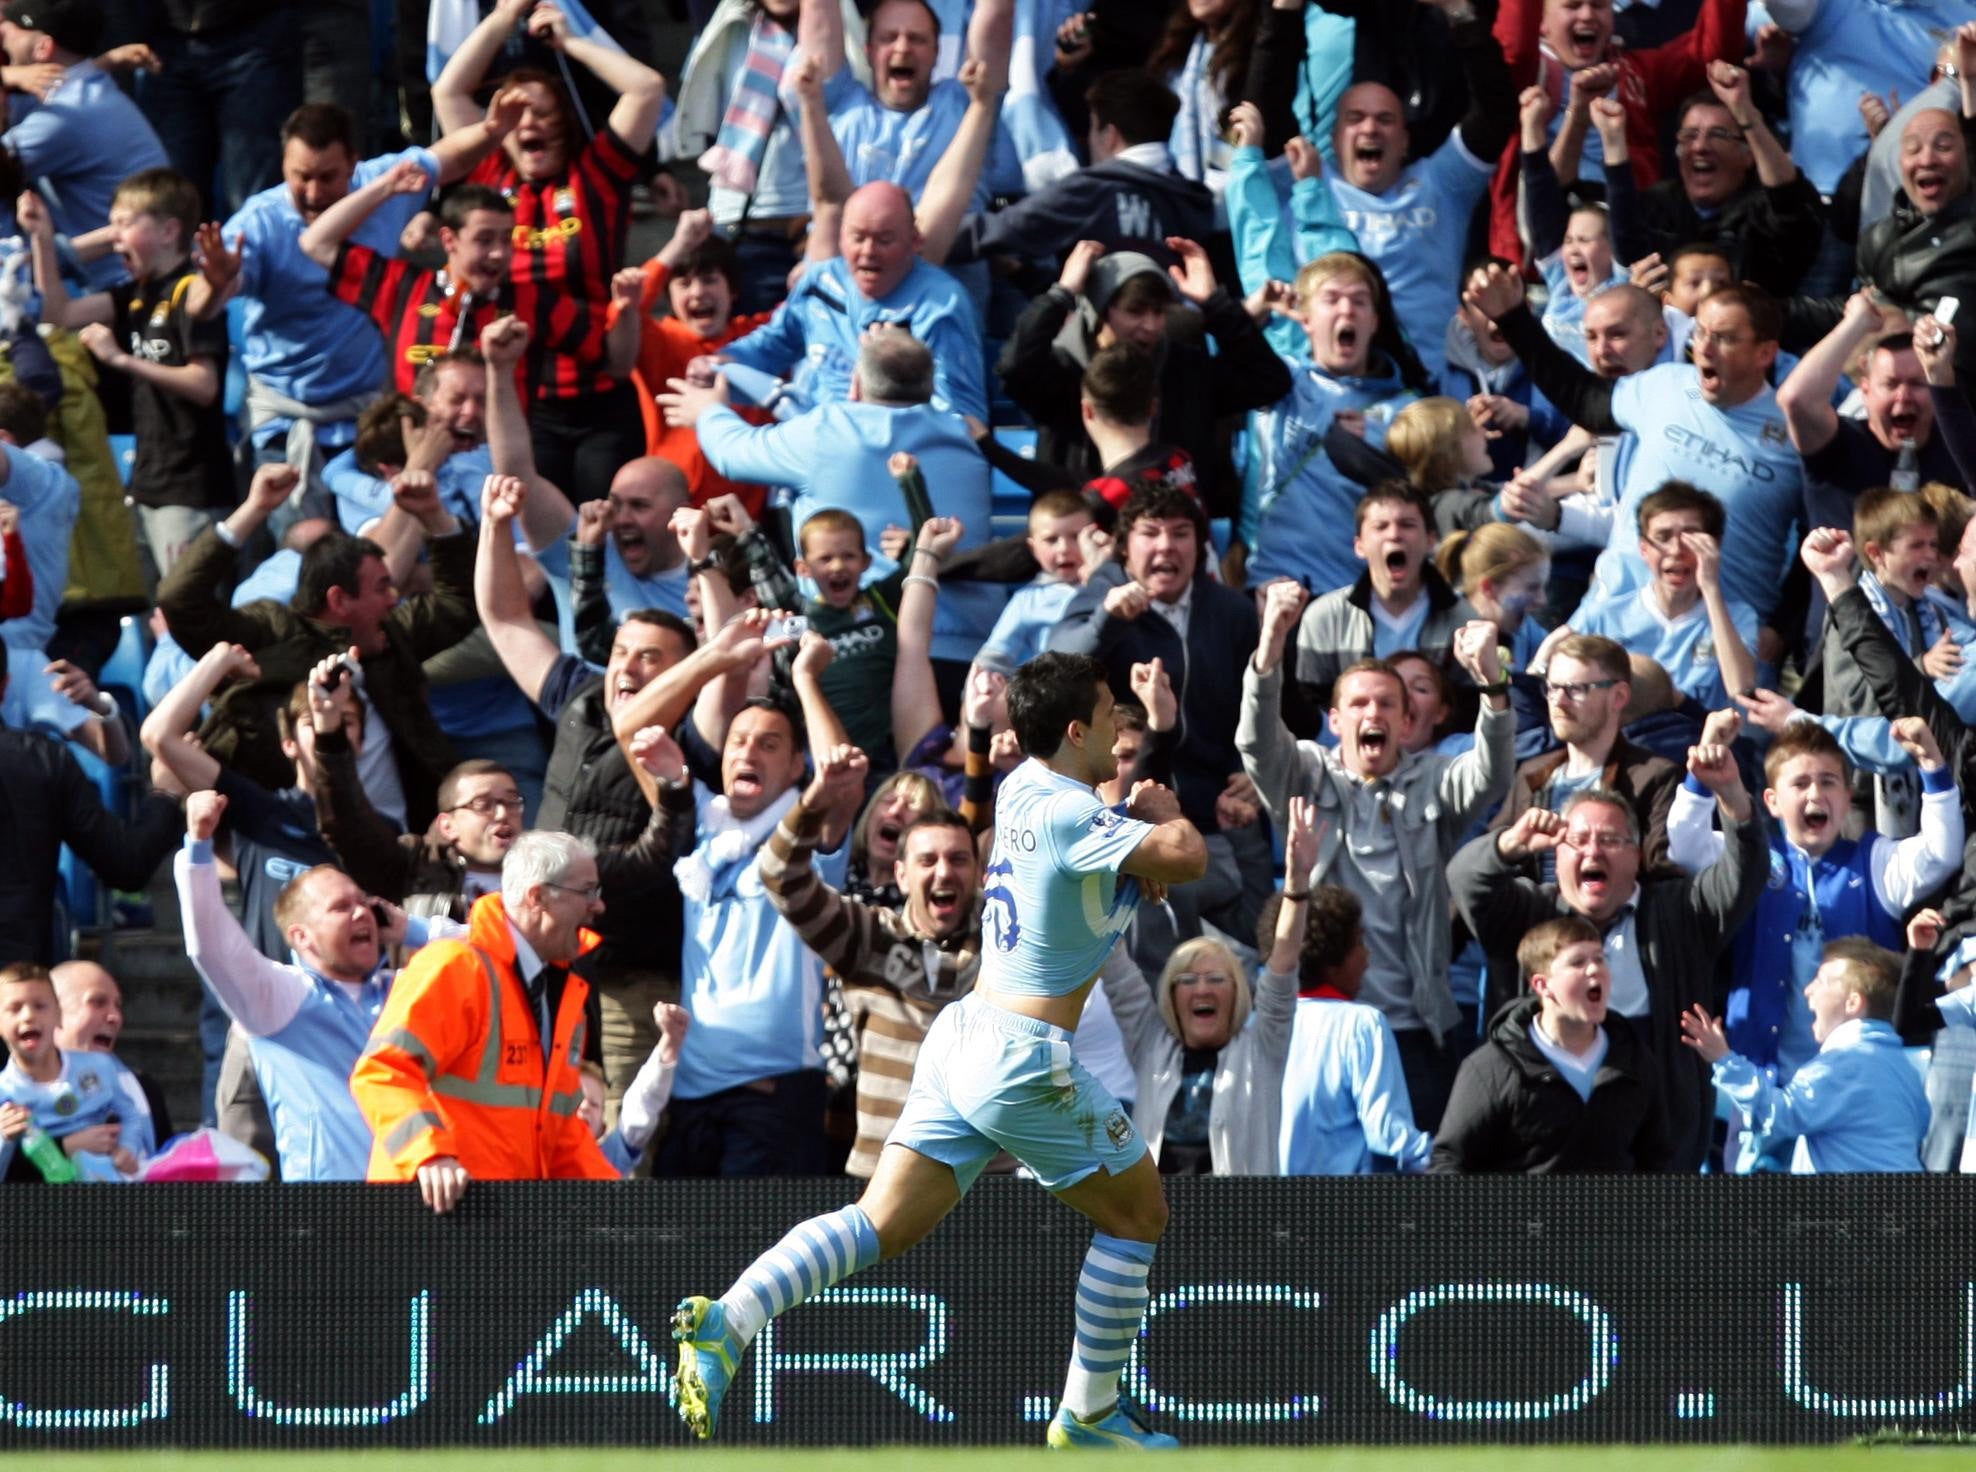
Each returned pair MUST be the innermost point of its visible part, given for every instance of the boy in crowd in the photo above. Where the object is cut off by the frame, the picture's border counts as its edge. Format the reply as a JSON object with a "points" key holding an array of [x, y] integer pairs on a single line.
{"points": [[1399, 602], [1859, 1105], [862, 623], [644, 1101], [1358, 363], [1344, 1096], [1057, 521], [1561, 1086], [1898, 536], [698, 274], [1823, 887], [183, 475], [74, 1097], [1682, 619]]}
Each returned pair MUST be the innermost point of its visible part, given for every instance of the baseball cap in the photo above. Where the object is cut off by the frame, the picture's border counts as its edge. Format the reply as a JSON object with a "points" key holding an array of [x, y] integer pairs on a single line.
{"points": [[73, 25]]}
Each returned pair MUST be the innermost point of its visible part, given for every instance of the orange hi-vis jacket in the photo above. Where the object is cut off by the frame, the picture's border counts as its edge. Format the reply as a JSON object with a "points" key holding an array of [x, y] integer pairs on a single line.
{"points": [[455, 1067]]}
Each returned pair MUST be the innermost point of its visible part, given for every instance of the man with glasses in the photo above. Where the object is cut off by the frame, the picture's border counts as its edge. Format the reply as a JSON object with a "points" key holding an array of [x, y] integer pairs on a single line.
{"points": [[1767, 226], [1663, 932], [1587, 688], [471, 1069]]}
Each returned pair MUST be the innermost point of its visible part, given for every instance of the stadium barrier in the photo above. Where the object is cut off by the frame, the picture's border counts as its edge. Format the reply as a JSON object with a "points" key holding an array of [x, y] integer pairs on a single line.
{"points": [[1378, 1310]]}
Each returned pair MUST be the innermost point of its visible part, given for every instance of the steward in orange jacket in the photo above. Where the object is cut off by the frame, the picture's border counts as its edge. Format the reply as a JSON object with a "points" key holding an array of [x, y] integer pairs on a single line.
{"points": [[455, 1066]]}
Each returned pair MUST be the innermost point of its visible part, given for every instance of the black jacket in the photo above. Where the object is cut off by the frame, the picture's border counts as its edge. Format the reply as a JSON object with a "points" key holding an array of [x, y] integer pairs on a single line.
{"points": [[1042, 367], [45, 802], [1125, 205], [1683, 926], [1513, 1113], [1206, 671], [1770, 235], [1911, 259]]}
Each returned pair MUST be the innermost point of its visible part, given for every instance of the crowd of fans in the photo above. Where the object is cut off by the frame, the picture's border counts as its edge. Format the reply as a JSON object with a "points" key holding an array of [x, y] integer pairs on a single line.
{"points": [[1501, 463]]}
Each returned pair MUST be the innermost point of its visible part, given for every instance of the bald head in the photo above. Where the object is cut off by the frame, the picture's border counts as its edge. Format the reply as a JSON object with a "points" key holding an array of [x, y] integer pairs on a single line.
{"points": [[644, 494], [92, 1007], [879, 239], [1934, 160], [1624, 330], [1370, 137]]}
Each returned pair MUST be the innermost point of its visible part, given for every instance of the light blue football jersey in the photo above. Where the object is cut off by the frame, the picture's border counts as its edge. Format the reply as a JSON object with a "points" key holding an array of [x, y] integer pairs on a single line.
{"points": [[1053, 901]]}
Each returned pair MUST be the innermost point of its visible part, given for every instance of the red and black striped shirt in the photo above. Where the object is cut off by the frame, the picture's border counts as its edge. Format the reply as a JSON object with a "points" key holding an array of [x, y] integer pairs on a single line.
{"points": [[570, 231], [420, 314]]}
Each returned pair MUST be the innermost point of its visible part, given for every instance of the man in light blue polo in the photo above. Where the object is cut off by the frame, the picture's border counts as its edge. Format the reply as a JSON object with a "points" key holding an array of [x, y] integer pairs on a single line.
{"points": [[879, 280], [837, 455], [84, 137], [306, 1023], [312, 361]]}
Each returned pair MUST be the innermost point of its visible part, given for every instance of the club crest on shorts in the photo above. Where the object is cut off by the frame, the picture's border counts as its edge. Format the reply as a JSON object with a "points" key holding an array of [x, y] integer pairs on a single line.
{"points": [[1118, 1129]]}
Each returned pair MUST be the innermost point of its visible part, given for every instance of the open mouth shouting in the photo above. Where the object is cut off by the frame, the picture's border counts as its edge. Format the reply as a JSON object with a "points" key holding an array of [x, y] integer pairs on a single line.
{"points": [[1929, 186], [1585, 40], [1374, 742], [943, 907], [745, 781], [1594, 878], [1815, 819], [622, 689], [29, 1039], [1398, 564]]}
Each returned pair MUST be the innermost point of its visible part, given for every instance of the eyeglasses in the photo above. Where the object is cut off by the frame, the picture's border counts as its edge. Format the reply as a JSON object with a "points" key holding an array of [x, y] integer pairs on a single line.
{"points": [[1701, 337], [487, 805], [1577, 689], [588, 894], [1688, 137], [1605, 843]]}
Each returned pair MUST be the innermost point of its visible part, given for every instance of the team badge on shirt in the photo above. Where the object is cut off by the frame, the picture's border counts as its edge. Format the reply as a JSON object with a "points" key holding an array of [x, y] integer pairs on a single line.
{"points": [[1106, 819], [564, 201]]}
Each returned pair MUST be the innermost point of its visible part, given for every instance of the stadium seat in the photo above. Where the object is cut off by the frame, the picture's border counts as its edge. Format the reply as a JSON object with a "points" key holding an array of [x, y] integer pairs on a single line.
{"points": [[122, 674]]}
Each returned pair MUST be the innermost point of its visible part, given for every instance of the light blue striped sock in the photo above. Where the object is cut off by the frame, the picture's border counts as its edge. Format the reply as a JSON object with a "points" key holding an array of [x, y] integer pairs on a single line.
{"points": [[1111, 1304], [821, 1251]]}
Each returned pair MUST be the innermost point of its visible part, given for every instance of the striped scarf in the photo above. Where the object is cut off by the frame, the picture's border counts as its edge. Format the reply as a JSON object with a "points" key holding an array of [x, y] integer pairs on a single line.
{"points": [[735, 160]]}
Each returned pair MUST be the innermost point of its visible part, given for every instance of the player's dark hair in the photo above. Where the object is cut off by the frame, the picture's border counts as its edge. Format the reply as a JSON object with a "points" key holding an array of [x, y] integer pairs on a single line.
{"points": [[1047, 694], [1122, 384]]}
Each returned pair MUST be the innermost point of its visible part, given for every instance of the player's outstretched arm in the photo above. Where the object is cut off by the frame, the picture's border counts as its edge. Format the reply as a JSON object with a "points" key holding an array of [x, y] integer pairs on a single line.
{"points": [[1174, 851]]}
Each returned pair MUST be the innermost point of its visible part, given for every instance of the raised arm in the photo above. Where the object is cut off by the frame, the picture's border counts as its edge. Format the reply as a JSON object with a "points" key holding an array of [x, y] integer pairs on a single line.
{"points": [[1732, 654], [641, 91], [499, 595], [259, 994], [364, 842], [823, 158], [1544, 174], [175, 717], [1581, 394], [820, 34], [325, 236], [58, 308], [949, 190], [915, 697], [453, 106], [1299, 858], [1487, 126], [462, 148], [546, 513], [1268, 750]]}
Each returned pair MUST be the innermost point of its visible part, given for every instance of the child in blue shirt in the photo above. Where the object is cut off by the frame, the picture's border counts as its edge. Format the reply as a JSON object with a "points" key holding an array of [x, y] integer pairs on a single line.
{"points": [[73, 1097], [1345, 1099], [1857, 1106], [1057, 521], [1682, 619]]}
